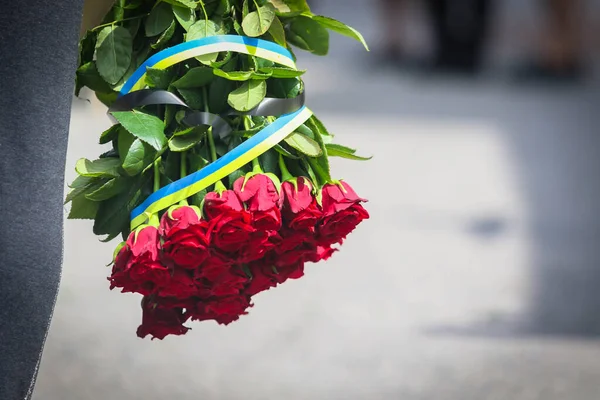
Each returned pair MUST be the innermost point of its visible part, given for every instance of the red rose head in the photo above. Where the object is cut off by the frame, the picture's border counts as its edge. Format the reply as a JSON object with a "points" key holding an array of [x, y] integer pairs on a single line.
{"points": [[188, 247], [258, 192], [224, 310], [263, 278], [137, 267], [298, 196], [178, 218], [160, 322], [144, 242], [338, 197], [232, 230], [335, 228], [269, 220], [216, 204], [180, 286]]}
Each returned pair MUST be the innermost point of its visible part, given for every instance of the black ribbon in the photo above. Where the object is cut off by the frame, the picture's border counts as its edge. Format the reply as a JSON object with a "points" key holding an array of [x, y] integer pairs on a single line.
{"points": [[269, 107]]}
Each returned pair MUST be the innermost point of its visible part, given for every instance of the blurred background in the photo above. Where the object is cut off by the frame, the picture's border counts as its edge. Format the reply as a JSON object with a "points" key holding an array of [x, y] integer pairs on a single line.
{"points": [[477, 275]]}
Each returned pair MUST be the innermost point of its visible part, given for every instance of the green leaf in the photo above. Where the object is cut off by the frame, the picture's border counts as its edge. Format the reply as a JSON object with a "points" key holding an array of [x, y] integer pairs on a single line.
{"points": [[194, 98], [321, 164], [165, 37], [282, 72], [98, 168], [186, 139], [309, 35], [278, 32], [82, 208], [87, 75], [83, 185], [270, 162], [245, 9], [195, 78], [306, 131], [241, 75], [109, 134], [304, 144], [113, 53], [107, 98], [133, 26], [137, 59], [145, 127], [159, 78], [285, 88], [234, 75], [201, 29], [87, 46], [110, 189], [134, 160], [81, 181], [336, 150], [290, 8], [340, 28], [217, 95], [258, 22], [185, 3], [185, 16], [133, 153], [159, 19], [248, 96], [113, 214]]}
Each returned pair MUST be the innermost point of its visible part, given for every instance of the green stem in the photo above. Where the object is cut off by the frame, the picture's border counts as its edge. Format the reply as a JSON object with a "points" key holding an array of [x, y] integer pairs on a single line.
{"points": [[183, 166], [183, 174], [219, 187], [116, 22], [211, 139], [285, 173], [154, 220], [321, 176], [256, 166], [157, 174], [204, 10]]}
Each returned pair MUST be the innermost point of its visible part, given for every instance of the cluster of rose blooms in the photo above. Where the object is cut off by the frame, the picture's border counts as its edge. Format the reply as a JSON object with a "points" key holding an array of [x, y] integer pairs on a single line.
{"points": [[206, 263]]}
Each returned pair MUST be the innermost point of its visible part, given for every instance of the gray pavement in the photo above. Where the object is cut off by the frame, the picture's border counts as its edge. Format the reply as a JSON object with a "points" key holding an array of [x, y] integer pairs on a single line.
{"points": [[475, 279]]}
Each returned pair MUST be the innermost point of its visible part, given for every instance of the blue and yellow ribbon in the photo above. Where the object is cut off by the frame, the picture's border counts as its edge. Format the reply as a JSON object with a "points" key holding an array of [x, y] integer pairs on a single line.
{"points": [[209, 45], [239, 156]]}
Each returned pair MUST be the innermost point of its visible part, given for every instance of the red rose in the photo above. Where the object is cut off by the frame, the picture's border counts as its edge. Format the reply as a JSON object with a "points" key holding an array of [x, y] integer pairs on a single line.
{"points": [[181, 285], [213, 266], [173, 302], [137, 267], [216, 204], [307, 219], [300, 253], [187, 248], [229, 282], [262, 278], [224, 310], [232, 230], [269, 220], [291, 271], [177, 219], [257, 245], [289, 239], [321, 253], [338, 197], [160, 322], [335, 228], [258, 192], [297, 194]]}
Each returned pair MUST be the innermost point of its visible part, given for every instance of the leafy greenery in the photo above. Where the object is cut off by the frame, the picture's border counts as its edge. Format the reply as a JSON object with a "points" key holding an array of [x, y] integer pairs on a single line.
{"points": [[154, 138]]}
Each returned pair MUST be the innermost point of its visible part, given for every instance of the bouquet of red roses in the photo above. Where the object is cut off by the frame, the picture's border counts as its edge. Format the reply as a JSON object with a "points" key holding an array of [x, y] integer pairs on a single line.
{"points": [[217, 176]]}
